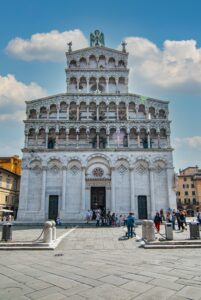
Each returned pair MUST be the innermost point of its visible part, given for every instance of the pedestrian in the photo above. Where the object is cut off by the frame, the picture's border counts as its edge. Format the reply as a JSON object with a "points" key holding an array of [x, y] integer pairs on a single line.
{"points": [[88, 216], [199, 217], [130, 225], [182, 220], [98, 219], [173, 219], [157, 221], [177, 215]]}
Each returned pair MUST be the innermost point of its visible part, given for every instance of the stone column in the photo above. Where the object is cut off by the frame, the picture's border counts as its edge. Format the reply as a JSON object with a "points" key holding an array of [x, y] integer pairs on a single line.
{"points": [[42, 204], [63, 203], [108, 140], [127, 112], [132, 190], [97, 112], [128, 137], [67, 114], [148, 139], [83, 204], [24, 188], [151, 185], [87, 112], [78, 82], [159, 140], [87, 85], [117, 112], [77, 139], [113, 206], [57, 112], [97, 140], [170, 191], [136, 110], [36, 143], [57, 139], [67, 137], [116, 82], [138, 139], [46, 138], [78, 112], [107, 85], [107, 112]]}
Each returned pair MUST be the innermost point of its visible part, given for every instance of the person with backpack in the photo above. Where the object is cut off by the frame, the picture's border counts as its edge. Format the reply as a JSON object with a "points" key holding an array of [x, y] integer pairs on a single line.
{"points": [[130, 225]]}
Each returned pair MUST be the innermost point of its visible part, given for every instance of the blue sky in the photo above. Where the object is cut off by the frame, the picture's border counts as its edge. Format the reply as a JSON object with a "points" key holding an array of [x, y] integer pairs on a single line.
{"points": [[163, 40]]}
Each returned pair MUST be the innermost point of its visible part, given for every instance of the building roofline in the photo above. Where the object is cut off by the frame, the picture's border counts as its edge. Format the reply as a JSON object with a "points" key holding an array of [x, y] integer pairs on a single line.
{"points": [[92, 94], [96, 47], [2, 169]]}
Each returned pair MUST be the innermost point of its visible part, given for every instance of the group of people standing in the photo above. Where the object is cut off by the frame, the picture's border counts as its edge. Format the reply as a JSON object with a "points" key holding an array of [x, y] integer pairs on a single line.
{"points": [[104, 218], [174, 217]]}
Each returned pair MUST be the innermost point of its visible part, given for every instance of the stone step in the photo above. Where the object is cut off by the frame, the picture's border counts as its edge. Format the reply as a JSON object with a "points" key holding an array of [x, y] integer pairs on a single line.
{"points": [[190, 246]]}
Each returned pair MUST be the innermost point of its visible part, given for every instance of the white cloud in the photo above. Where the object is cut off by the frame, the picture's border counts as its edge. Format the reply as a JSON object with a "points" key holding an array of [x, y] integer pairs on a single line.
{"points": [[48, 46], [13, 95], [191, 142], [177, 66]]}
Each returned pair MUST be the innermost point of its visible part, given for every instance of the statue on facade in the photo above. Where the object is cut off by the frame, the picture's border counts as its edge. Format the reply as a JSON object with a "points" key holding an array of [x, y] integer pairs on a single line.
{"points": [[123, 47], [97, 39], [69, 47]]}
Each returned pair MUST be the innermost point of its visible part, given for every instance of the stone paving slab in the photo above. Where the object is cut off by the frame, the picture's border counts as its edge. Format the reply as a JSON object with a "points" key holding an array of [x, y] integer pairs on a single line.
{"points": [[91, 263]]}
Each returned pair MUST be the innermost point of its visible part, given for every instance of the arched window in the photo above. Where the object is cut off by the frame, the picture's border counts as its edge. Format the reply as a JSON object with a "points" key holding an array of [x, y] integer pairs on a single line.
{"points": [[32, 114], [152, 113], [121, 64], [93, 84], [51, 138], [92, 61], [93, 137], [102, 84], [161, 114], [111, 62], [143, 137], [101, 62], [83, 85], [112, 85], [43, 113], [83, 62], [73, 64]]}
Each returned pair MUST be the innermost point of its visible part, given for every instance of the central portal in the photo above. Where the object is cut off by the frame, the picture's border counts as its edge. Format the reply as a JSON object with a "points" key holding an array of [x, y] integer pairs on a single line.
{"points": [[98, 198]]}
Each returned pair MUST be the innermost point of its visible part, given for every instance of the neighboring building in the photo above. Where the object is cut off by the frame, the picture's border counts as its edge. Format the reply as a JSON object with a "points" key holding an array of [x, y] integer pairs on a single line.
{"points": [[189, 190], [96, 146], [11, 163], [9, 190]]}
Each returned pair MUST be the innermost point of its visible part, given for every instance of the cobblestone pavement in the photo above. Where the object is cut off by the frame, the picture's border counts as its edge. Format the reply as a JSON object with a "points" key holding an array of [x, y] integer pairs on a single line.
{"points": [[91, 263]]}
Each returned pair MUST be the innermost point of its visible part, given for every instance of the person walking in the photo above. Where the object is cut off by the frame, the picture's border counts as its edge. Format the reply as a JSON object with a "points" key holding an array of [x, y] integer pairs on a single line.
{"points": [[157, 221], [130, 225]]}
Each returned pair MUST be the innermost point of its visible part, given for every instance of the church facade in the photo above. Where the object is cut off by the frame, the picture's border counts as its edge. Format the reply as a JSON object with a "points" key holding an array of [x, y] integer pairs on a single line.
{"points": [[96, 146]]}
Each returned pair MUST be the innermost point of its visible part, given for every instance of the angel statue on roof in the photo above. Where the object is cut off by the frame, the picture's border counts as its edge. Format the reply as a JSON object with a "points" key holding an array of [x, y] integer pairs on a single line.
{"points": [[97, 39]]}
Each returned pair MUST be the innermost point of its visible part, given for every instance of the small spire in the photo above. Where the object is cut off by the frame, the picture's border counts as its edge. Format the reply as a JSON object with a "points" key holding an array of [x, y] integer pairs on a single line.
{"points": [[123, 46], [69, 47]]}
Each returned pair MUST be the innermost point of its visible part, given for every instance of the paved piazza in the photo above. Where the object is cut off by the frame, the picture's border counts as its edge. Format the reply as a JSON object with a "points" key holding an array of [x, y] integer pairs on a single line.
{"points": [[91, 263]]}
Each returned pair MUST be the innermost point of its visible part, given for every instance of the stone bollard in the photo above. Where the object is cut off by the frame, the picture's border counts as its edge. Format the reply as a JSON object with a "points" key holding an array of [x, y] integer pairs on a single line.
{"points": [[47, 236], [54, 231], [148, 230], [144, 230]]}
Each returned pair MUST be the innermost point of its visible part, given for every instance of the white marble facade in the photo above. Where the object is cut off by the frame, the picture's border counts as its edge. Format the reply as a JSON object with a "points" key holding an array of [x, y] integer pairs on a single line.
{"points": [[96, 141]]}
